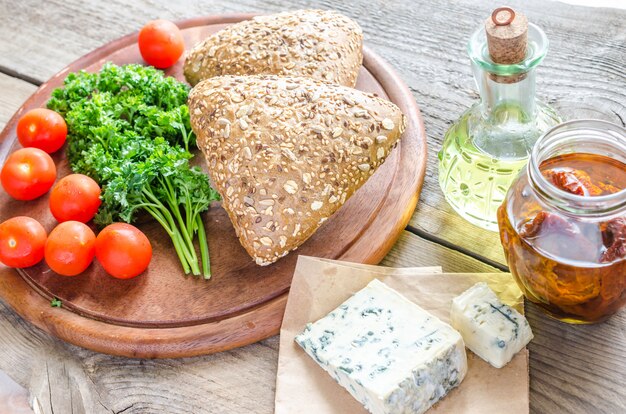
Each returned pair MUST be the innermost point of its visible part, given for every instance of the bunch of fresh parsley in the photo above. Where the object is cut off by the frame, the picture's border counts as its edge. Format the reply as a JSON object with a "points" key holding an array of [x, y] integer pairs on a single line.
{"points": [[128, 128]]}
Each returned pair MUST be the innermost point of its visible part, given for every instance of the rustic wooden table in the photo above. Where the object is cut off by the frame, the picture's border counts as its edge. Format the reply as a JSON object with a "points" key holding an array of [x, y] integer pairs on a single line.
{"points": [[573, 369]]}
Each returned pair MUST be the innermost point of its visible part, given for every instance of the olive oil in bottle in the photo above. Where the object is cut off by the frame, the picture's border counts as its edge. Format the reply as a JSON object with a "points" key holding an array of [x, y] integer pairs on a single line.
{"points": [[485, 149]]}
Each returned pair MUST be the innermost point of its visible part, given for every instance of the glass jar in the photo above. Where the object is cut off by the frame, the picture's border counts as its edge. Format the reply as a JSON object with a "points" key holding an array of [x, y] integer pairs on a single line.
{"points": [[484, 150], [563, 222]]}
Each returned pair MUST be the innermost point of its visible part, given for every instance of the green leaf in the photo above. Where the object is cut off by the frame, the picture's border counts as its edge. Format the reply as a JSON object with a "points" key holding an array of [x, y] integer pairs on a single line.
{"points": [[129, 129]]}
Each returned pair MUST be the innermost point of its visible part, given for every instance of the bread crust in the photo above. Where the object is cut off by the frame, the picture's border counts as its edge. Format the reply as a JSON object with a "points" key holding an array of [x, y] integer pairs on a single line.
{"points": [[321, 44], [286, 153]]}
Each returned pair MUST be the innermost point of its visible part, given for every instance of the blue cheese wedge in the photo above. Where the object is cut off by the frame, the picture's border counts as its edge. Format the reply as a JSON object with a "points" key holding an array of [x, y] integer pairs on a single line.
{"points": [[492, 330], [390, 354]]}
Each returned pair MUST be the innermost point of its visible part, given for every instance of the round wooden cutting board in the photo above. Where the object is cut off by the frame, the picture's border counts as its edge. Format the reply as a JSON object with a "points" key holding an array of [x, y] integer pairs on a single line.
{"points": [[164, 313]]}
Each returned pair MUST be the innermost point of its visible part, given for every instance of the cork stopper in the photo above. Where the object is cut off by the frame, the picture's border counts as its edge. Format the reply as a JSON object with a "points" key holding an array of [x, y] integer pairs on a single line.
{"points": [[507, 36]]}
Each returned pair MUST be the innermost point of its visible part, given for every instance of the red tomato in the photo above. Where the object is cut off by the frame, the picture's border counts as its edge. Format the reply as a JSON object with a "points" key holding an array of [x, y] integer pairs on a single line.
{"points": [[70, 248], [28, 173], [75, 197], [123, 250], [22, 241], [161, 44], [42, 128]]}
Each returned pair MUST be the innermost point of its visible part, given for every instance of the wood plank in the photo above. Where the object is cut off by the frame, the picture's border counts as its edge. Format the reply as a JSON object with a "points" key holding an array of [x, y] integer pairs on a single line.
{"points": [[14, 93], [13, 398], [574, 369], [583, 66], [577, 369], [411, 250]]}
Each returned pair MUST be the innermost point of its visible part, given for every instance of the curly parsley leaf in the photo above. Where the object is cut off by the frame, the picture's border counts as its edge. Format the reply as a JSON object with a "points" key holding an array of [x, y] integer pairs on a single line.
{"points": [[129, 129]]}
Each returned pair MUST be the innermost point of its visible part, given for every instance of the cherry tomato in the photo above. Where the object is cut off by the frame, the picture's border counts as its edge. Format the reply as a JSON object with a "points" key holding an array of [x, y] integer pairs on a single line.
{"points": [[22, 241], [161, 44], [70, 248], [42, 128], [28, 173], [75, 197], [123, 250]]}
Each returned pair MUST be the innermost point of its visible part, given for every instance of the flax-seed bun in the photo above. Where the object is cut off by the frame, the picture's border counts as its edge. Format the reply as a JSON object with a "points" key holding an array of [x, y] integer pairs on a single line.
{"points": [[285, 153], [319, 44]]}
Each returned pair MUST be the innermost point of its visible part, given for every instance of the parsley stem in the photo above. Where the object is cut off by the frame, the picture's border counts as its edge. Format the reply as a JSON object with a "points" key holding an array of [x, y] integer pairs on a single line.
{"points": [[187, 248], [186, 238], [185, 226], [182, 241], [181, 244], [204, 248], [173, 236]]}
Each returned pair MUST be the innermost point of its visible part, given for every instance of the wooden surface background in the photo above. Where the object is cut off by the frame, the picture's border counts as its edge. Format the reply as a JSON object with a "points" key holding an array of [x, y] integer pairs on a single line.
{"points": [[573, 369]]}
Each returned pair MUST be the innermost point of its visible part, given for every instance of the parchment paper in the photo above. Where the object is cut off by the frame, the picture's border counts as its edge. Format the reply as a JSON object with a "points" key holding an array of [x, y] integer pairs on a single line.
{"points": [[320, 285]]}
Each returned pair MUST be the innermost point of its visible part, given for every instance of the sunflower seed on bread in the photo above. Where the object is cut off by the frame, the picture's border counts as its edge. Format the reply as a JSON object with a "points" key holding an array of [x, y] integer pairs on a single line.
{"points": [[320, 44], [285, 153]]}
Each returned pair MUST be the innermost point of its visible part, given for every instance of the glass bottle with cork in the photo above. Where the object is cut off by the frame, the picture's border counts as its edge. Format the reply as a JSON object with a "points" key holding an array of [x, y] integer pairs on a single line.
{"points": [[485, 149]]}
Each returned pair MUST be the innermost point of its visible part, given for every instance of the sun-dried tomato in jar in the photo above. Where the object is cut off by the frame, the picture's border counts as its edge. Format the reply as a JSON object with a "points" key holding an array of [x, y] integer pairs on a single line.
{"points": [[563, 222]]}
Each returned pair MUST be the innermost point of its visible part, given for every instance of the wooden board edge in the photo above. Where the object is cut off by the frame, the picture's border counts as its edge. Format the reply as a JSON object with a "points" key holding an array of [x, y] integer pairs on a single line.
{"points": [[141, 343]]}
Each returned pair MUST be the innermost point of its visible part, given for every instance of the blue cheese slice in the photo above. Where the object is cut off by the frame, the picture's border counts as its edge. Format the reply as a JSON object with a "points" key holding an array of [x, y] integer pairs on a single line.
{"points": [[390, 354], [492, 330]]}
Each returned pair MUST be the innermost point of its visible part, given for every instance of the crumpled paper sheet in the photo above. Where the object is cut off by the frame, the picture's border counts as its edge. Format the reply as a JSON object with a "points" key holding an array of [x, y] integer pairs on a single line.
{"points": [[320, 285]]}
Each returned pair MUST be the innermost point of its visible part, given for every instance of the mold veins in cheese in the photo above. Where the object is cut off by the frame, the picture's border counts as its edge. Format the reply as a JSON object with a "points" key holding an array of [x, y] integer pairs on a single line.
{"points": [[390, 354], [492, 330]]}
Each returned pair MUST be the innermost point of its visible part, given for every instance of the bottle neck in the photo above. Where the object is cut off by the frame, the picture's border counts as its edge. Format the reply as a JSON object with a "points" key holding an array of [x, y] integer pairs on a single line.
{"points": [[507, 91], [506, 99]]}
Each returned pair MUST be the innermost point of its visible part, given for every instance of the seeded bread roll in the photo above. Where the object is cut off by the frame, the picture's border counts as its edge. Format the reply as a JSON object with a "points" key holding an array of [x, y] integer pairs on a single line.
{"points": [[285, 153], [319, 44]]}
